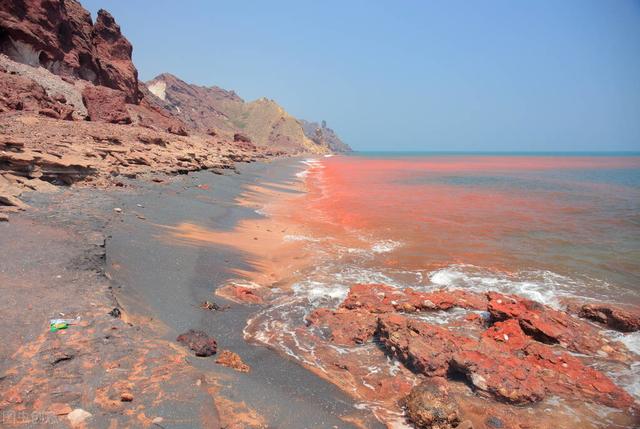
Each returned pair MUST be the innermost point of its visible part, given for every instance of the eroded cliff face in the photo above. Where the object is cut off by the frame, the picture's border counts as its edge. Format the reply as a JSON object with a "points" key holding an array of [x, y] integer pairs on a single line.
{"points": [[264, 121], [60, 36]]}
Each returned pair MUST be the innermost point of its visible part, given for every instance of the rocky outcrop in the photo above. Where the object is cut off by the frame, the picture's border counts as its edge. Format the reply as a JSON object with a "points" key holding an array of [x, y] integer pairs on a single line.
{"points": [[37, 152], [520, 354], [239, 137], [324, 136], [113, 52], [60, 36], [23, 162], [549, 326]]}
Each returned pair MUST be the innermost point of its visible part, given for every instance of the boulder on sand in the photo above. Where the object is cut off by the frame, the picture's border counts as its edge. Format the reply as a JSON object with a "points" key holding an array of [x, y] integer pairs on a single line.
{"points": [[202, 344]]}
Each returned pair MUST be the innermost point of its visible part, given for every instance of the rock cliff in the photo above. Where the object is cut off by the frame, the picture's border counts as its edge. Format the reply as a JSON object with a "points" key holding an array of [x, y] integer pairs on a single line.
{"points": [[60, 36]]}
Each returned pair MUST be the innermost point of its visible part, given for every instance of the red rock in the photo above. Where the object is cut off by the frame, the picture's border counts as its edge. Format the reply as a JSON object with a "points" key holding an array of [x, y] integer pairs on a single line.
{"points": [[545, 324], [346, 327], [247, 295], [232, 360], [504, 376], [156, 140], [566, 375], [445, 299], [505, 363], [105, 105], [507, 334], [423, 348], [202, 344], [429, 405], [60, 36], [506, 359], [379, 298], [613, 316]]}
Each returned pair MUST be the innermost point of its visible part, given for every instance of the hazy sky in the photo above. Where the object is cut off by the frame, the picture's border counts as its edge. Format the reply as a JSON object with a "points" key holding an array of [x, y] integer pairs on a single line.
{"points": [[412, 75]]}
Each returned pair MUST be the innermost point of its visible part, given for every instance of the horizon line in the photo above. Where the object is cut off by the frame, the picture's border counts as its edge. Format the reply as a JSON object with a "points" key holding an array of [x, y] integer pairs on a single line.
{"points": [[489, 152]]}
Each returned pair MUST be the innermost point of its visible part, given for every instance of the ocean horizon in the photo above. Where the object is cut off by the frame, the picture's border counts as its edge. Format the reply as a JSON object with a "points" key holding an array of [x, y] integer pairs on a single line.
{"points": [[383, 154]]}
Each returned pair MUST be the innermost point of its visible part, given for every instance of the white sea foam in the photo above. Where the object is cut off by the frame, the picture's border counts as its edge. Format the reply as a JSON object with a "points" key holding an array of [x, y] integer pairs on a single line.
{"points": [[628, 378], [351, 274], [539, 285], [294, 237], [630, 340], [317, 292], [385, 246], [312, 162]]}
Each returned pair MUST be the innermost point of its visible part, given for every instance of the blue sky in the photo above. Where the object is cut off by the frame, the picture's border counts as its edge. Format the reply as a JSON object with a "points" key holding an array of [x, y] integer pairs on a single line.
{"points": [[412, 75]]}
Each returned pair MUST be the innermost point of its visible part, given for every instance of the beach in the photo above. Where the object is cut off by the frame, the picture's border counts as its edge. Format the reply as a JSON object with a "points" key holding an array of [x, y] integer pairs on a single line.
{"points": [[414, 216]]}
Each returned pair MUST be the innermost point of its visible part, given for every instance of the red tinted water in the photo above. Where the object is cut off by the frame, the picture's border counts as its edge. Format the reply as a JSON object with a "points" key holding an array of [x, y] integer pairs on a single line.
{"points": [[564, 214]]}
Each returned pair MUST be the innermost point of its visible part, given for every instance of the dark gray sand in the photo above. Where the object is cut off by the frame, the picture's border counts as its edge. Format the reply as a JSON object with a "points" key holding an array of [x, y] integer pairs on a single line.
{"points": [[167, 283]]}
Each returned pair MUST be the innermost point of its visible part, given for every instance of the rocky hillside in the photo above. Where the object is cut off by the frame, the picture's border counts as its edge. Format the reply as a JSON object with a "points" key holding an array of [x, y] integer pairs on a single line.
{"points": [[263, 121], [72, 109]]}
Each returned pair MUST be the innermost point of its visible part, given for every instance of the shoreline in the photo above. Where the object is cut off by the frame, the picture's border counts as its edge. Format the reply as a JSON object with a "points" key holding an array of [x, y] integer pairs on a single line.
{"points": [[173, 290]]}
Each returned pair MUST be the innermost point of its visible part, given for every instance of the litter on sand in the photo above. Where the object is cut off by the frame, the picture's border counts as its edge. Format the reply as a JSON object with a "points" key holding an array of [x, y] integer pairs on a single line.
{"points": [[58, 324]]}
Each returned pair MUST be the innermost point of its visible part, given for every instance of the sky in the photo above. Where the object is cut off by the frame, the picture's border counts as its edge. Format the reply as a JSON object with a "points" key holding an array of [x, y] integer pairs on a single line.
{"points": [[415, 75]]}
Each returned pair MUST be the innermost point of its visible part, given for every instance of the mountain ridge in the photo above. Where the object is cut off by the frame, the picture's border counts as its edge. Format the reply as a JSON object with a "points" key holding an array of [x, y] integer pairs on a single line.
{"points": [[264, 121]]}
